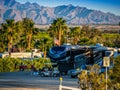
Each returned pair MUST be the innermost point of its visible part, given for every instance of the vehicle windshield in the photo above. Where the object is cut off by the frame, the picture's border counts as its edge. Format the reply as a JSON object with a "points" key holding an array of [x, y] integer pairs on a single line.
{"points": [[58, 49]]}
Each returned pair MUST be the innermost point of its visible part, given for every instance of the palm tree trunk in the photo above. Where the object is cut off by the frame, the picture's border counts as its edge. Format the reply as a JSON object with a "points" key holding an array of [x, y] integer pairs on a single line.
{"points": [[75, 41], [59, 37], [29, 42], [9, 48], [45, 54]]}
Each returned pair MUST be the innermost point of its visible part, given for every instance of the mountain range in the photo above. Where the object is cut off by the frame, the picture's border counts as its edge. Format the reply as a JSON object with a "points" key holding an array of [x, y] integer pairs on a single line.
{"points": [[11, 9]]}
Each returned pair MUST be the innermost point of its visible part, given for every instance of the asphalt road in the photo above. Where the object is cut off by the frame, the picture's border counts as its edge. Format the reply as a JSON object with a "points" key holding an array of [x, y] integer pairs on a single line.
{"points": [[24, 80]]}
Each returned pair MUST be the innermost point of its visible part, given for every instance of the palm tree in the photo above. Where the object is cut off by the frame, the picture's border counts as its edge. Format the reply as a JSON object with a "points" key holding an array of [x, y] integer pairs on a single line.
{"points": [[9, 33], [52, 32], [19, 37], [75, 34], [28, 26], [58, 26], [45, 42]]}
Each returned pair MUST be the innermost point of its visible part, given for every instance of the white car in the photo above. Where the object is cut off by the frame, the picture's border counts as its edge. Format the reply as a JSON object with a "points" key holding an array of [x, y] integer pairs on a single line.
{"points": [[45, 73], [52, 73]]}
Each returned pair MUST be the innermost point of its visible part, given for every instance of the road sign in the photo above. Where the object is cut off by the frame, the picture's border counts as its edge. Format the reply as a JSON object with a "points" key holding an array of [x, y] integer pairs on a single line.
{"points": [[106, 61]]}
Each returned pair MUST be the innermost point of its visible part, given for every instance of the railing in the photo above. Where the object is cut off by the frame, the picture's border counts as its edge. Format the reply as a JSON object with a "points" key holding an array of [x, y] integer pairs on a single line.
{"points": [[66, 87]]}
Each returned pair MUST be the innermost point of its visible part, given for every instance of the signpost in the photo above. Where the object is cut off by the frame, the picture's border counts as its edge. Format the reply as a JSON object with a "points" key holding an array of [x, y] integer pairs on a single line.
{"points": [[106, 63]]}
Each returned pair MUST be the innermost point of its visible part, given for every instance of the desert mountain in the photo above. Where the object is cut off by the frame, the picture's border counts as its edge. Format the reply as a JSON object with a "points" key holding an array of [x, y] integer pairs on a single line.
{"points": [[10, 9]]}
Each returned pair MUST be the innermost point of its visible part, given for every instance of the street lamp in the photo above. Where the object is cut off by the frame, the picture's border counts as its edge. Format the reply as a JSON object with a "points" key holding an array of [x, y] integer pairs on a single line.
{"points": [[106, 63]]}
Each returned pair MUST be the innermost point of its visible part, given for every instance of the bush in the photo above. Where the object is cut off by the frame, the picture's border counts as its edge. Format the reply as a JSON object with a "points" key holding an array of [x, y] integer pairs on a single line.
{"points": [[12, 64], [9, 64]]}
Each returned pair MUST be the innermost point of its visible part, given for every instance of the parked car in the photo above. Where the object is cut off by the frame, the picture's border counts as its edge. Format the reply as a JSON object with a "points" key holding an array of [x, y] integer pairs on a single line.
{"points": [[74, 73], [45, 73], [49, 72], [55, 73]]}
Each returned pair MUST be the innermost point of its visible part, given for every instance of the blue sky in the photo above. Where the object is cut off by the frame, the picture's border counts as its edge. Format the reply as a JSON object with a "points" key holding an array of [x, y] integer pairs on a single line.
{"points": [[112, 6]]}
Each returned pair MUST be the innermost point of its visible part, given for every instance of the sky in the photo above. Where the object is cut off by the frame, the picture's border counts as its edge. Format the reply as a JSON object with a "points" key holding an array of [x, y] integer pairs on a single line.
{"points": [[112, 6]]}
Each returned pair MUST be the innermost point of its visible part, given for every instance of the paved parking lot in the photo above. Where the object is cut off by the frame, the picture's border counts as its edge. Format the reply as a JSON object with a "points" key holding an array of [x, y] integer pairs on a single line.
{"points": [[24, 80]]}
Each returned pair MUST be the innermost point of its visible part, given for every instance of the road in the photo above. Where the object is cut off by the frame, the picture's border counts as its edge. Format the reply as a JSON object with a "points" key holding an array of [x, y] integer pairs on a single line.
{"points": [[24, 80]]}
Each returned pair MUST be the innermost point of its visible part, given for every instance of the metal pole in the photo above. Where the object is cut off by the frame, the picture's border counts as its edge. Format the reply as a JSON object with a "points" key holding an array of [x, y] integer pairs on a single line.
{"points": [[60, 87], [106, 63], [106, 78]]}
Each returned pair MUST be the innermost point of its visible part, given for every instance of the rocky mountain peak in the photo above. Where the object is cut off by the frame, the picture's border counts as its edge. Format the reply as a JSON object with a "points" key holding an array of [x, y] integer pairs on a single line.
{"points": [[45, 15]]}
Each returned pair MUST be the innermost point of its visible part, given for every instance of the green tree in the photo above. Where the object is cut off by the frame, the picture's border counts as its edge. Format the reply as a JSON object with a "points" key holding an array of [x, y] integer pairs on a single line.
{"points": [[84, 30], [111, 40], [92, 35], [19, 41], [83, 80], [115, 76], [93, 80], [9, 32], [2, 44], [28, 26], [9, 64], [59, 27], [117, 41], [42, 62], [52, 31], [75, 34], [44, 41], [84, 40], [12, 64]]}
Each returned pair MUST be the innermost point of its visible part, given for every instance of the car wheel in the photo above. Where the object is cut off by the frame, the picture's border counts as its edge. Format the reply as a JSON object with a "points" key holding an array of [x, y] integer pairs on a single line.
{"points": [[42, 75], [54, 75], [72, 76]]}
